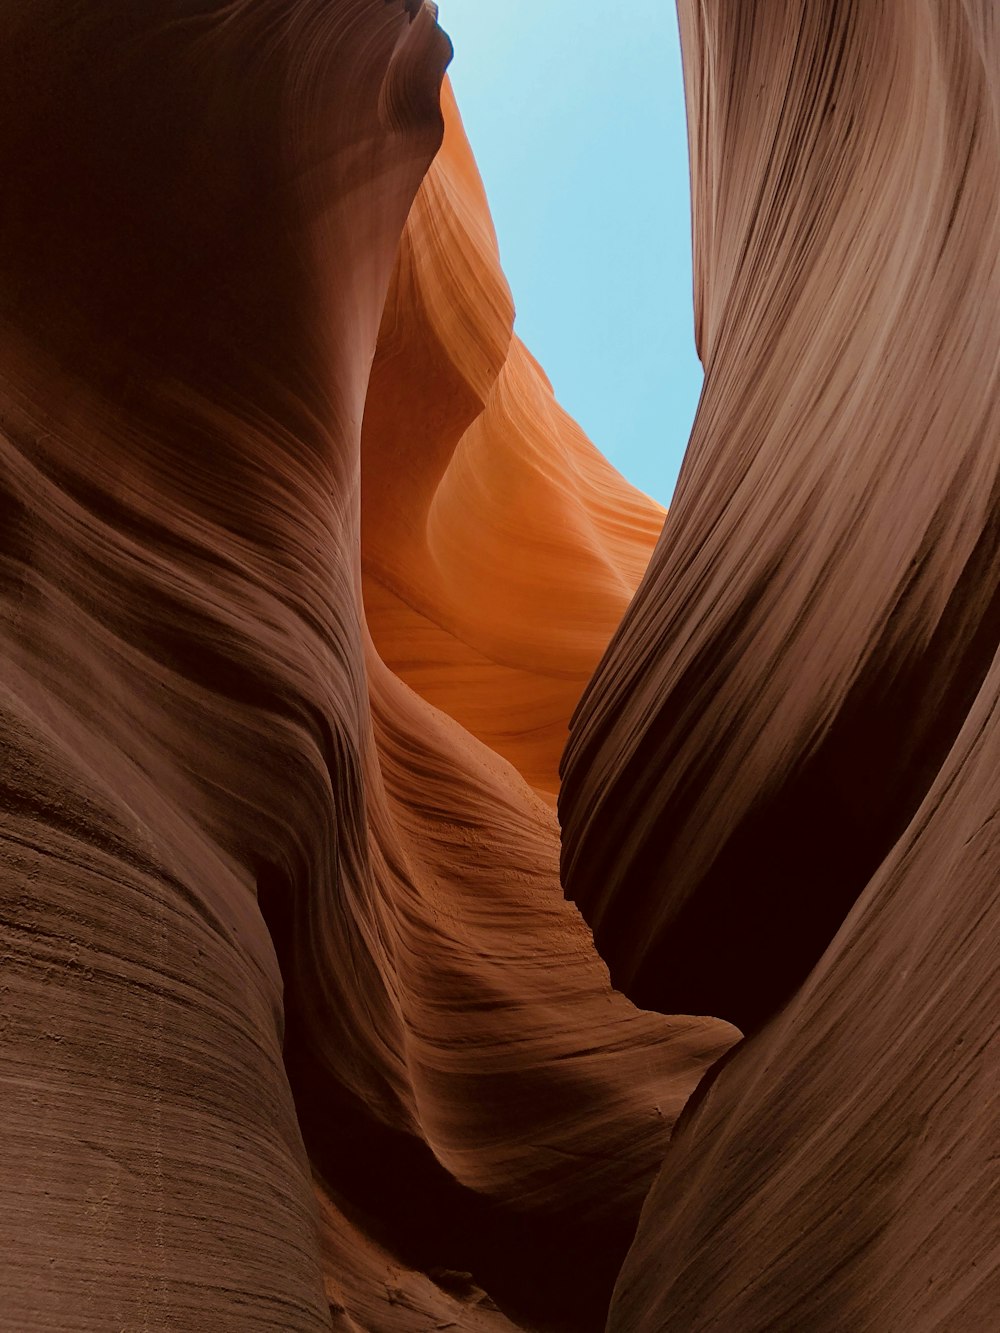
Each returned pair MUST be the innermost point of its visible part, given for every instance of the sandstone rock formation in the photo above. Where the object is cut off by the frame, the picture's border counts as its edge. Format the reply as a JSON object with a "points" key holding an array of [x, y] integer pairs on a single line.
{"points": [[298, 1029], [780, 800], [823, 604], [474, 480], [302, 573]]}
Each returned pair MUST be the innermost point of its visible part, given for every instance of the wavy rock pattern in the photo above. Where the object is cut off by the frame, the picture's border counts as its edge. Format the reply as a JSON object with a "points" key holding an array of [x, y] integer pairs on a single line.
{"points": [[299, 1031], [474, 480], [848, 1155], [780, 801], [823, 604]]}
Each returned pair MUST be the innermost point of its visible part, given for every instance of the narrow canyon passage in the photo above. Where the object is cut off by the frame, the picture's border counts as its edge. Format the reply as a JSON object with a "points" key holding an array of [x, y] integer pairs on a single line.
{"points": [[341, 674]]}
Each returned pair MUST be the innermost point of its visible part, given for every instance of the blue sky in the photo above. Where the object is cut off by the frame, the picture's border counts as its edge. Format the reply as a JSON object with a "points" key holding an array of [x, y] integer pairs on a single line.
{"points": [[575, 111]]}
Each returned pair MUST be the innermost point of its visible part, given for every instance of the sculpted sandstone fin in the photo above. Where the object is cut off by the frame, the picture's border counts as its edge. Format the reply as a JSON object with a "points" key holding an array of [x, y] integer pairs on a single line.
{"points": [[299, 1031], [823, 603]]}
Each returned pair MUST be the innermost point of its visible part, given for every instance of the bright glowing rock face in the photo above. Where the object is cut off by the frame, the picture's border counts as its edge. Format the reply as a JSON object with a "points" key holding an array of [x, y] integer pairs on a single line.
{"points": [[303, 572], [500, 548]]}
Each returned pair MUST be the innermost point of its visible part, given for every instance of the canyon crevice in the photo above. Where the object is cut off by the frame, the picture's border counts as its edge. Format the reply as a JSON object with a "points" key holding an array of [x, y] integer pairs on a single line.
{"points": [[315, 606]]}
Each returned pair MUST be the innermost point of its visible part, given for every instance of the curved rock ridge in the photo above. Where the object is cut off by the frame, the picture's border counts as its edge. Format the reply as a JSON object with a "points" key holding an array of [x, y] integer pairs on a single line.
{"points": [[298, 1031], [780, 799], [840, 1171], [823, 603], [474, 481]]}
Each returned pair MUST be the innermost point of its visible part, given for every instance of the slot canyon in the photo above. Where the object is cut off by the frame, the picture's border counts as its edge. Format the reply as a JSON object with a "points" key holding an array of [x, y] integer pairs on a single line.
{"points": [[440, 889]]}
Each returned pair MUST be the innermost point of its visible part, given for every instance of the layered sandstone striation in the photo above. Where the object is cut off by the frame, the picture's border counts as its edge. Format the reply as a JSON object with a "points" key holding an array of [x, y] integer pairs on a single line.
{"points": [[299, 1031], [779, 803], [474, 480], [302, 573], [823, 604]]}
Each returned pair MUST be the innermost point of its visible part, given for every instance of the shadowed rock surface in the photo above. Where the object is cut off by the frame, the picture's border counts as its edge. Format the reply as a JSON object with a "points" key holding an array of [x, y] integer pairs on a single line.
{"points": [[822, 606], [299, 1030], [779, 801], [302, 573]]}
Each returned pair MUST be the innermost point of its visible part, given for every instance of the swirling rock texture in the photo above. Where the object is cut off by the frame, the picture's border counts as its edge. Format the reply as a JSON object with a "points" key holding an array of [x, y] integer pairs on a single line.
{"points": [[470, 467], [780, 800], [298, 1029]]}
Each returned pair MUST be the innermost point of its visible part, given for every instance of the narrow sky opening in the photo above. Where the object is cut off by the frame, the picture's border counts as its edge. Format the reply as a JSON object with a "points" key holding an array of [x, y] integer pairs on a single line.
{"points": [[577, 121]]}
